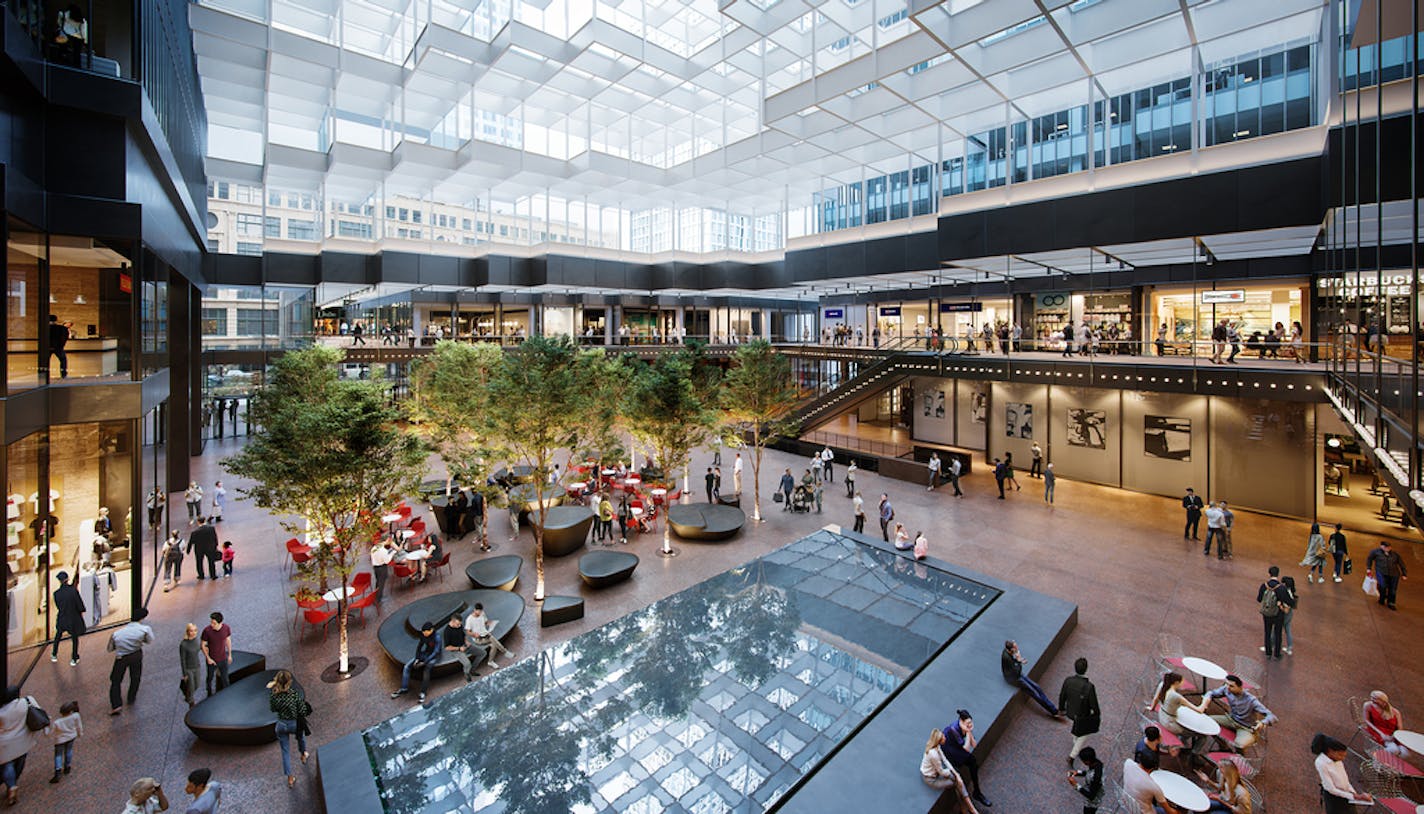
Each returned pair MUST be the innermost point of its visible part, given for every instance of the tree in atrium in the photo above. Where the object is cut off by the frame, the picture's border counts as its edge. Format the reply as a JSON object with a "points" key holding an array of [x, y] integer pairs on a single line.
{"points": [[539, 399], [670, 410], [328, 458], [757, 399]]}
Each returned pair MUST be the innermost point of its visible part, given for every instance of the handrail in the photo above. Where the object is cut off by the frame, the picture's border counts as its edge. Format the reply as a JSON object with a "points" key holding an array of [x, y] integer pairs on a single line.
{"points": [[888, 449]]}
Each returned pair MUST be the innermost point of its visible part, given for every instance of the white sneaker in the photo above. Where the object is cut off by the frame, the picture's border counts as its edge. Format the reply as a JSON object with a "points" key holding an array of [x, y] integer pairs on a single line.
{"points": [[53, 659], [1262, 648], [494, 664], [1309, 577], [1288, 651], [1337, 579]]}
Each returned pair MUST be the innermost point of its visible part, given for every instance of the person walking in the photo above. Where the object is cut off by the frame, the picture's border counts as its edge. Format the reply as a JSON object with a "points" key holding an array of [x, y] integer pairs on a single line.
{"points": [[1314, 560], [292, 710], [1088, 781], [851, 470], [716, 484], [1339, 551], [1228, 521], [1049, 479], [933, 467], [217, 651], [953, 470], [1078, 699], [16, 741], [69, 618], [206, 792], [171, 555], [710, 481], [190, 662], [66, 729], [1388, 569], [219, 501], [1000, 476], [1288, 612], [1009, 472], [1035, 469], [145, 797], [127, 644], [858, 504], [887, 514], [737, 474], [203, 545], [1270, 599], [193, 497], [788, 483], [1193, 504]]}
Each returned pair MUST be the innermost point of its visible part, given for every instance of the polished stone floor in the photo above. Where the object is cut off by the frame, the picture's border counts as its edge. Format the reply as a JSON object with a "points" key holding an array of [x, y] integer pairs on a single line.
{"points": [[1118, 554]]}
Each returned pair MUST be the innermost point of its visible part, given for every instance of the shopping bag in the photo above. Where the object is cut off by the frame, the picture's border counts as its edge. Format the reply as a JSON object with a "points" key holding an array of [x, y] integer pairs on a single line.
{"points": [[1349, 566], [1370, 587]]}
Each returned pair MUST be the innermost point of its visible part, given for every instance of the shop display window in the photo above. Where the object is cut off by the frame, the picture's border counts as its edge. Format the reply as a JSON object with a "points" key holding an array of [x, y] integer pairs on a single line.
{"points": [[90, 312], [1189, 322]]}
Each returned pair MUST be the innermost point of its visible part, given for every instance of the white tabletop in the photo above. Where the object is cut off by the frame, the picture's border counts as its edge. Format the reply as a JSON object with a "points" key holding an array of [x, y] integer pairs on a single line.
{"points": [[331, 595], [406, 534], [637, 512], [390, 518], [609, 472], [579, 485], [1411, 740], [1204, 668], [1197, 722], [1181, 791], [418, 554], [634, 479], [659, 492]]}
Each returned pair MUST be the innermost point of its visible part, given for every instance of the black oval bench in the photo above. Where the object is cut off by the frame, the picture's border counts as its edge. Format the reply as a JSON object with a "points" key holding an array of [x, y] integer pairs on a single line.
{"points": [[557, 610], [565, 529], [707, 522], [245, 663], [600, 569], [238, 715], [495, 573], [399, 630]]}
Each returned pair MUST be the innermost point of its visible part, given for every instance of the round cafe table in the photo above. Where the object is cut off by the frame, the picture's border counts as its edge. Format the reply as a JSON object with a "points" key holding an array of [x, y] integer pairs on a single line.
{"points": [[634, 479], [1180, 791], [1411, 740], [658, 495], [418, 554], [391, 519], [406, 534], [333, 594], [1208, 670], [1197, 722], [578, 487]]}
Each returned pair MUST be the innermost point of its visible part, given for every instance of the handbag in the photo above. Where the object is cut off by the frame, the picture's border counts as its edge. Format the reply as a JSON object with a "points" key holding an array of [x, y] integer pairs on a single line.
{"points": [[36, 719], [1348, 566], [777, 497]]}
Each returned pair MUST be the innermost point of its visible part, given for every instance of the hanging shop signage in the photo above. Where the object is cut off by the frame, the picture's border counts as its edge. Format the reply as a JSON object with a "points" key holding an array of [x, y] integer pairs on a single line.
{"points": [[835, 313], [889, 310], [951, 307], [1051, 301], [1223, 296]]}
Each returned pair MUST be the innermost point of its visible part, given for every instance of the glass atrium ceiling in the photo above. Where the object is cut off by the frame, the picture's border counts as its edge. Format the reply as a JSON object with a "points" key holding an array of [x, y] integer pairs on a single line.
{"points": [[755, 104]]}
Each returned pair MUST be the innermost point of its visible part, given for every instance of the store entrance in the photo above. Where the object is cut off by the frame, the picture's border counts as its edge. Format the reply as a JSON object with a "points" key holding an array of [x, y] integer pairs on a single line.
{"points": [[1355, 496]]}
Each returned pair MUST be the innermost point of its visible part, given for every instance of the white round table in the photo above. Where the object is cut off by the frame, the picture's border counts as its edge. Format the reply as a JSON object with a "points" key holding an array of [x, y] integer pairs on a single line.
{"points": [[333, 594], [633, 479], [1197, 722], [406, 534], [418, 554], [608, 473], [1180, 791], [637, 512], [659, 494], [1411, 740], [390, 518], [1205, 668]]}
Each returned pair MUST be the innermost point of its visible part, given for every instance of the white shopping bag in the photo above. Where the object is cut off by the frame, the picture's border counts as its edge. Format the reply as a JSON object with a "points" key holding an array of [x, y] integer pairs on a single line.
{"points": [[1371, 587]]}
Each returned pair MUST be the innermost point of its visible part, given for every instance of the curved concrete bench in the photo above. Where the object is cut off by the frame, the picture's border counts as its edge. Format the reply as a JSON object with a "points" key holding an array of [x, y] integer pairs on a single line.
{"points": [[565, 529], [495, 573], [245, 663], [527, 498], [557, 610], [399, 630], [599, 569], [237, 716], [705, 521]]}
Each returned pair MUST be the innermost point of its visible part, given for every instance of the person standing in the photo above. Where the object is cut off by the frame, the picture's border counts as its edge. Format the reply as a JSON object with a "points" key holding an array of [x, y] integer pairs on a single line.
{"points": [[292, 710], [203, 545], [605, 518], [1088, 781], [717, 451], [66, 729], [819, 494], [788, 483], [475, 518], [858, 503], [205, 791], [851, 470], [1193, 504], [999, 476], [1336, 792], [933, 467], [1271, 598], [828, 462], [1049, 479], [1078, 699], [1161, 341], [190, 662], [16, 741], [381, 556], [217, 651], [126, 644], [887, 514], [817, 465], [710, 480], [1214, 521], [69, 618], [145, 797], [1388, 569], [1011, 663], [1035, 469], [1338, 549], [193, 497], [58, 338], [953, 470], [1228, 520], [1288, 612], [1314, 560], [737, 474], [219, 501], [716, 484]]}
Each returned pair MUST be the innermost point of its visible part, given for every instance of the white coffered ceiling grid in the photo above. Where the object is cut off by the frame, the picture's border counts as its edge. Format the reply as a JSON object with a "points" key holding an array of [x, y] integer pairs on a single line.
{"points": [[752, 104]]}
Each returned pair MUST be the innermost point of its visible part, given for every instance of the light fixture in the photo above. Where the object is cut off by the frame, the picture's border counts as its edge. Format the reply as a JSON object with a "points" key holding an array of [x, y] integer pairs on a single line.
{"points": [[79, 300]]}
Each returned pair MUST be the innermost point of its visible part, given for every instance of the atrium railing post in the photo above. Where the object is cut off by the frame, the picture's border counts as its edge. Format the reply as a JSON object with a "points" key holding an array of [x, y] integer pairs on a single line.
{"points": [[1414, 479]]}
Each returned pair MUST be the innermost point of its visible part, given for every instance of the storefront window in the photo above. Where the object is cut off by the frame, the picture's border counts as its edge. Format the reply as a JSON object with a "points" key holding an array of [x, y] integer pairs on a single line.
{"points": [[25, 253], [558, 320], [153, 314], [1256, 314], [26, 534], [91, 290]]}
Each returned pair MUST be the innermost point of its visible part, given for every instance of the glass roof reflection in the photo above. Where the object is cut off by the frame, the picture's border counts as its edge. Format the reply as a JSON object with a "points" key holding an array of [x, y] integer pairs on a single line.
{"points": [[716, 698]]}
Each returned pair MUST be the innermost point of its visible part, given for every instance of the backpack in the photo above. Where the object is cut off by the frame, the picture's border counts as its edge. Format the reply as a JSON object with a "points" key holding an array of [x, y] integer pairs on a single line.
{"points": [[1270, 603]]}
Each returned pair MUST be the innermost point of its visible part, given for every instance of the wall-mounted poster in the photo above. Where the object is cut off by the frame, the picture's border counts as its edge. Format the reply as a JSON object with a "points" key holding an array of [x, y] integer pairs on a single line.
{"points": [[934, 403], [979, 405], [1087, 428], [1167, 437], [1018, 420]]}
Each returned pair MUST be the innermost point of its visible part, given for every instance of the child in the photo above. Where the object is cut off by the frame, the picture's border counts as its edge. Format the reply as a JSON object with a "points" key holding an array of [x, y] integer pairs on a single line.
{"points": [[66, 729], [227, 555]]}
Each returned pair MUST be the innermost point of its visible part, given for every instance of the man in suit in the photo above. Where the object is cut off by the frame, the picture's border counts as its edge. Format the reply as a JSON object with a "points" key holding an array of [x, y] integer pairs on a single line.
{"points": [[204, 542], [1079, 701], [69, 618], [1193, 504], [711, 481]]}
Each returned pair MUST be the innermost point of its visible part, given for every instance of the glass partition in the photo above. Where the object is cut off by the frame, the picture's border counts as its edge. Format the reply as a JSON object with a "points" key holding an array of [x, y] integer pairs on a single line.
{"points": [[25, 253], [91, 289]]}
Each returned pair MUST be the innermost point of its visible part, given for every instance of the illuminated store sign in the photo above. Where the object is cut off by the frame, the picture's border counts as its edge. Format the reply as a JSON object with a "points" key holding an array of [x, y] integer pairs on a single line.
{"points": [[1223, 296], [1366, 284]]}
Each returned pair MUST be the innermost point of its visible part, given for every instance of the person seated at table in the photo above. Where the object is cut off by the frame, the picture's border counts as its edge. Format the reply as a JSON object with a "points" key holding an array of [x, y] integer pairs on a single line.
{"points": [[1228, 794], [1139, 787], [1168, 700], [427, 653], [1151, 741], [620, 470], [1247, 714], [937, 772], [957, 744], [435, 552], [1335, 790], [1381, 721]]}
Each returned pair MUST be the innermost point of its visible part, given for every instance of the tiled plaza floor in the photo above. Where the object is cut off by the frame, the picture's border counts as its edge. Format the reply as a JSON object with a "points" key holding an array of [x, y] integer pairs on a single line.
{"points": [[1119, 555]]}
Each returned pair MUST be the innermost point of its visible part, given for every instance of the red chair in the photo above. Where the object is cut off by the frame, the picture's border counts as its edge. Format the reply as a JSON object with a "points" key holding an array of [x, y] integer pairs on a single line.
{"points": [[1395, 762], [361, 583], [319, 618], [360, 606], [401, 571], [444, 562], [299, 557], [294, 544], [315, 603], [418, 526], [404, 511]]}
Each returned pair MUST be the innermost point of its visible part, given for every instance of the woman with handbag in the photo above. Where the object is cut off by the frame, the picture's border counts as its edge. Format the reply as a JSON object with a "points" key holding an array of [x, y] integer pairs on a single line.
{"points": [[1315, 551], [190, 661], [17, 737], [292, 710]]}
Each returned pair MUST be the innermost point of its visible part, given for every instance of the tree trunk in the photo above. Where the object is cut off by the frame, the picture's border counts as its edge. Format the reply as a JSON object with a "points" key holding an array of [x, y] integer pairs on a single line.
{"points": [[756, 474], [344, 665], [539, 545]]}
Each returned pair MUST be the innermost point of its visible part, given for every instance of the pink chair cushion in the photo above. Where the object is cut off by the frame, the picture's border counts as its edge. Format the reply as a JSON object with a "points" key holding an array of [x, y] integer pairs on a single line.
{"points": [[1398, 805], [1169, 740], [1396, 762]]}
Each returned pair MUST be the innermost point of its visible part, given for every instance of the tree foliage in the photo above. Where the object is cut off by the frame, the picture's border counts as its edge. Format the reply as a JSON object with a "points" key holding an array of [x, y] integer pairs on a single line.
{"points": [[758, 398]]}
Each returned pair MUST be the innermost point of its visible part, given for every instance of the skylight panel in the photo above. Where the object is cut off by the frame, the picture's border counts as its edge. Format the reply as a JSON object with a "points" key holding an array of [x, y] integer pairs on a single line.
{"points": [[1013, 30], [764, 5]]}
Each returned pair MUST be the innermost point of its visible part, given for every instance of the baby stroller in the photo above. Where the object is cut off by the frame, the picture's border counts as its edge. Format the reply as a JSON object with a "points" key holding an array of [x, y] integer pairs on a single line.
{"points": [[803, 499]]}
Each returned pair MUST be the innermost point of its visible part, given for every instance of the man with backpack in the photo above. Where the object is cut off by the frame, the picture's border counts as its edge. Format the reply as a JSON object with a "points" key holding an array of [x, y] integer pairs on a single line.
{"points": [[1271, 598]]}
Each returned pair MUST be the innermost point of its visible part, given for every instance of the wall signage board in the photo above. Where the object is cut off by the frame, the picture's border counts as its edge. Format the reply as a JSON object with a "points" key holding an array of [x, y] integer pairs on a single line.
{"points": [[1366, 284], [835, 313], [889, 310], [1055, 301], [951, 307], [1227, 295]]}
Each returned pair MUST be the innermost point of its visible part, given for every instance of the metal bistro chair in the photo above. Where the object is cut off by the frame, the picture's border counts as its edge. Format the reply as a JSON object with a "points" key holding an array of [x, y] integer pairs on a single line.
{"points": [[1384, 784]]}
